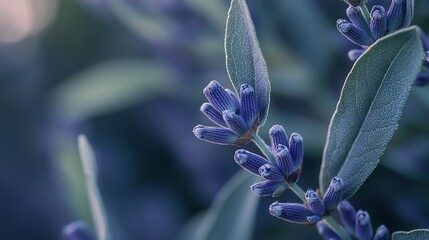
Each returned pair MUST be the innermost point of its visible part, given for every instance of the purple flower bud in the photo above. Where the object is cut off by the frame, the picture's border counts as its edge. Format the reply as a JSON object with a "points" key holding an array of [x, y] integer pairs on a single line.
{"points": [[355, 15], [291, 212], [334, 194], [296, 150], [278, 136], [409, 13], [271, 172], [284, 160], [382, 233], [235, 122], [396, 15], [268, 188], [378, 23], [422, 79], [218, 97], [348, 216], [77, 231], [326, 232], [425, 40], [363, 229], [249, 161], [249, 104], [314, 218], [353, 33], [234, 100], [215, 135], [212, 114], [314, 203], [354, 54]]}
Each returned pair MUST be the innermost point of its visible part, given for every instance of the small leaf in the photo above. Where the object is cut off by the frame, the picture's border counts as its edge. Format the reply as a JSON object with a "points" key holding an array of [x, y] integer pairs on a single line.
{"points": [[244, 60], [417, 234], [89, 168], [232, 213], [369, 109]]}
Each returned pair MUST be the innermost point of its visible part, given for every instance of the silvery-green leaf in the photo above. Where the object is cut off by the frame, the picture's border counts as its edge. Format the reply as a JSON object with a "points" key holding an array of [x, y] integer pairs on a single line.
{"points": [[418, 234], [231, 215], [96, 204], [369, 109], [244, 60], [107, 87]]}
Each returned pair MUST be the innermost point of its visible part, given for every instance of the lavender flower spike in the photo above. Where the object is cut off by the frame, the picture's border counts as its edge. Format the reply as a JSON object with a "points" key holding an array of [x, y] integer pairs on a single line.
{"points": [[363, 228], [347, 215], [77, 231], [382, 233], [334, 194], [284, 170], [239, 116], [326, 232], [292, 212], [354, 54]]}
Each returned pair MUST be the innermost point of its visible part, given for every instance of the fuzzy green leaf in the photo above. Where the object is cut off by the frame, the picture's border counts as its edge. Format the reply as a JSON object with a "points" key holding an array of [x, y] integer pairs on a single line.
{"points": [[244, 60], [232, 213], [369, 108]]}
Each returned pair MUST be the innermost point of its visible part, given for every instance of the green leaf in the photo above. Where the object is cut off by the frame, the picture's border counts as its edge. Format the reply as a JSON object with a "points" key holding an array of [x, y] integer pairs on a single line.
{"points": [[107, 87], [369, 109], [244, 60], [232, 213], [418, 234], [90, 171]]}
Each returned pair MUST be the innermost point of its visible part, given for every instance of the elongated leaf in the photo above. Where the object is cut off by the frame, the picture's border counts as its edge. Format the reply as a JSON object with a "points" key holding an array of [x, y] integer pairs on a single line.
{"points": [[244, 60], [232, 213], [369, 109], [418, 234], [90, 170], [107, 87]]}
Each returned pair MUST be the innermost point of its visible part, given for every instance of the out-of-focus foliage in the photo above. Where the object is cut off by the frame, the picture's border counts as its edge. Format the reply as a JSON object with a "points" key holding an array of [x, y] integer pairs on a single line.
{"points": [[129, 74]]}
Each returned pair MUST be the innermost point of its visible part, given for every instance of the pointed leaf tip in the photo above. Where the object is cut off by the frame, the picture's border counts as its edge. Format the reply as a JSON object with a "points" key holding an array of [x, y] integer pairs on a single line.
{"points": [[244, 61]]}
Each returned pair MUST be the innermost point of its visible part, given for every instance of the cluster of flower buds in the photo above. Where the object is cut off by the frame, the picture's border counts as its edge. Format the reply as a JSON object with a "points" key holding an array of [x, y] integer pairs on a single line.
{"points": [[314, 208], [364, 33], [288, 154], [356, 224], [237, 118], [77, 231]]}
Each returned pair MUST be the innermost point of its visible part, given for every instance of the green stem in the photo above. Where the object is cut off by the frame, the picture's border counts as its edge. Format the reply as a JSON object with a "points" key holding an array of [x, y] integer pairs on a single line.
{"points": [[264, 148], [365, 12], [297, 190], [337, 228]]}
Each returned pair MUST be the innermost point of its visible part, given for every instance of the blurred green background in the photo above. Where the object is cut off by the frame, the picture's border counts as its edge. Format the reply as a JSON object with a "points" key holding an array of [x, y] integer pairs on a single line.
{"points": [[129, 74]]}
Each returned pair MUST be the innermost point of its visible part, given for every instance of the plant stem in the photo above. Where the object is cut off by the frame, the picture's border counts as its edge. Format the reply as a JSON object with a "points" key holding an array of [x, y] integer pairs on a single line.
{"points": [[365, 12], [337, 228], [268, 154], [297, 190], [259, 142]]}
